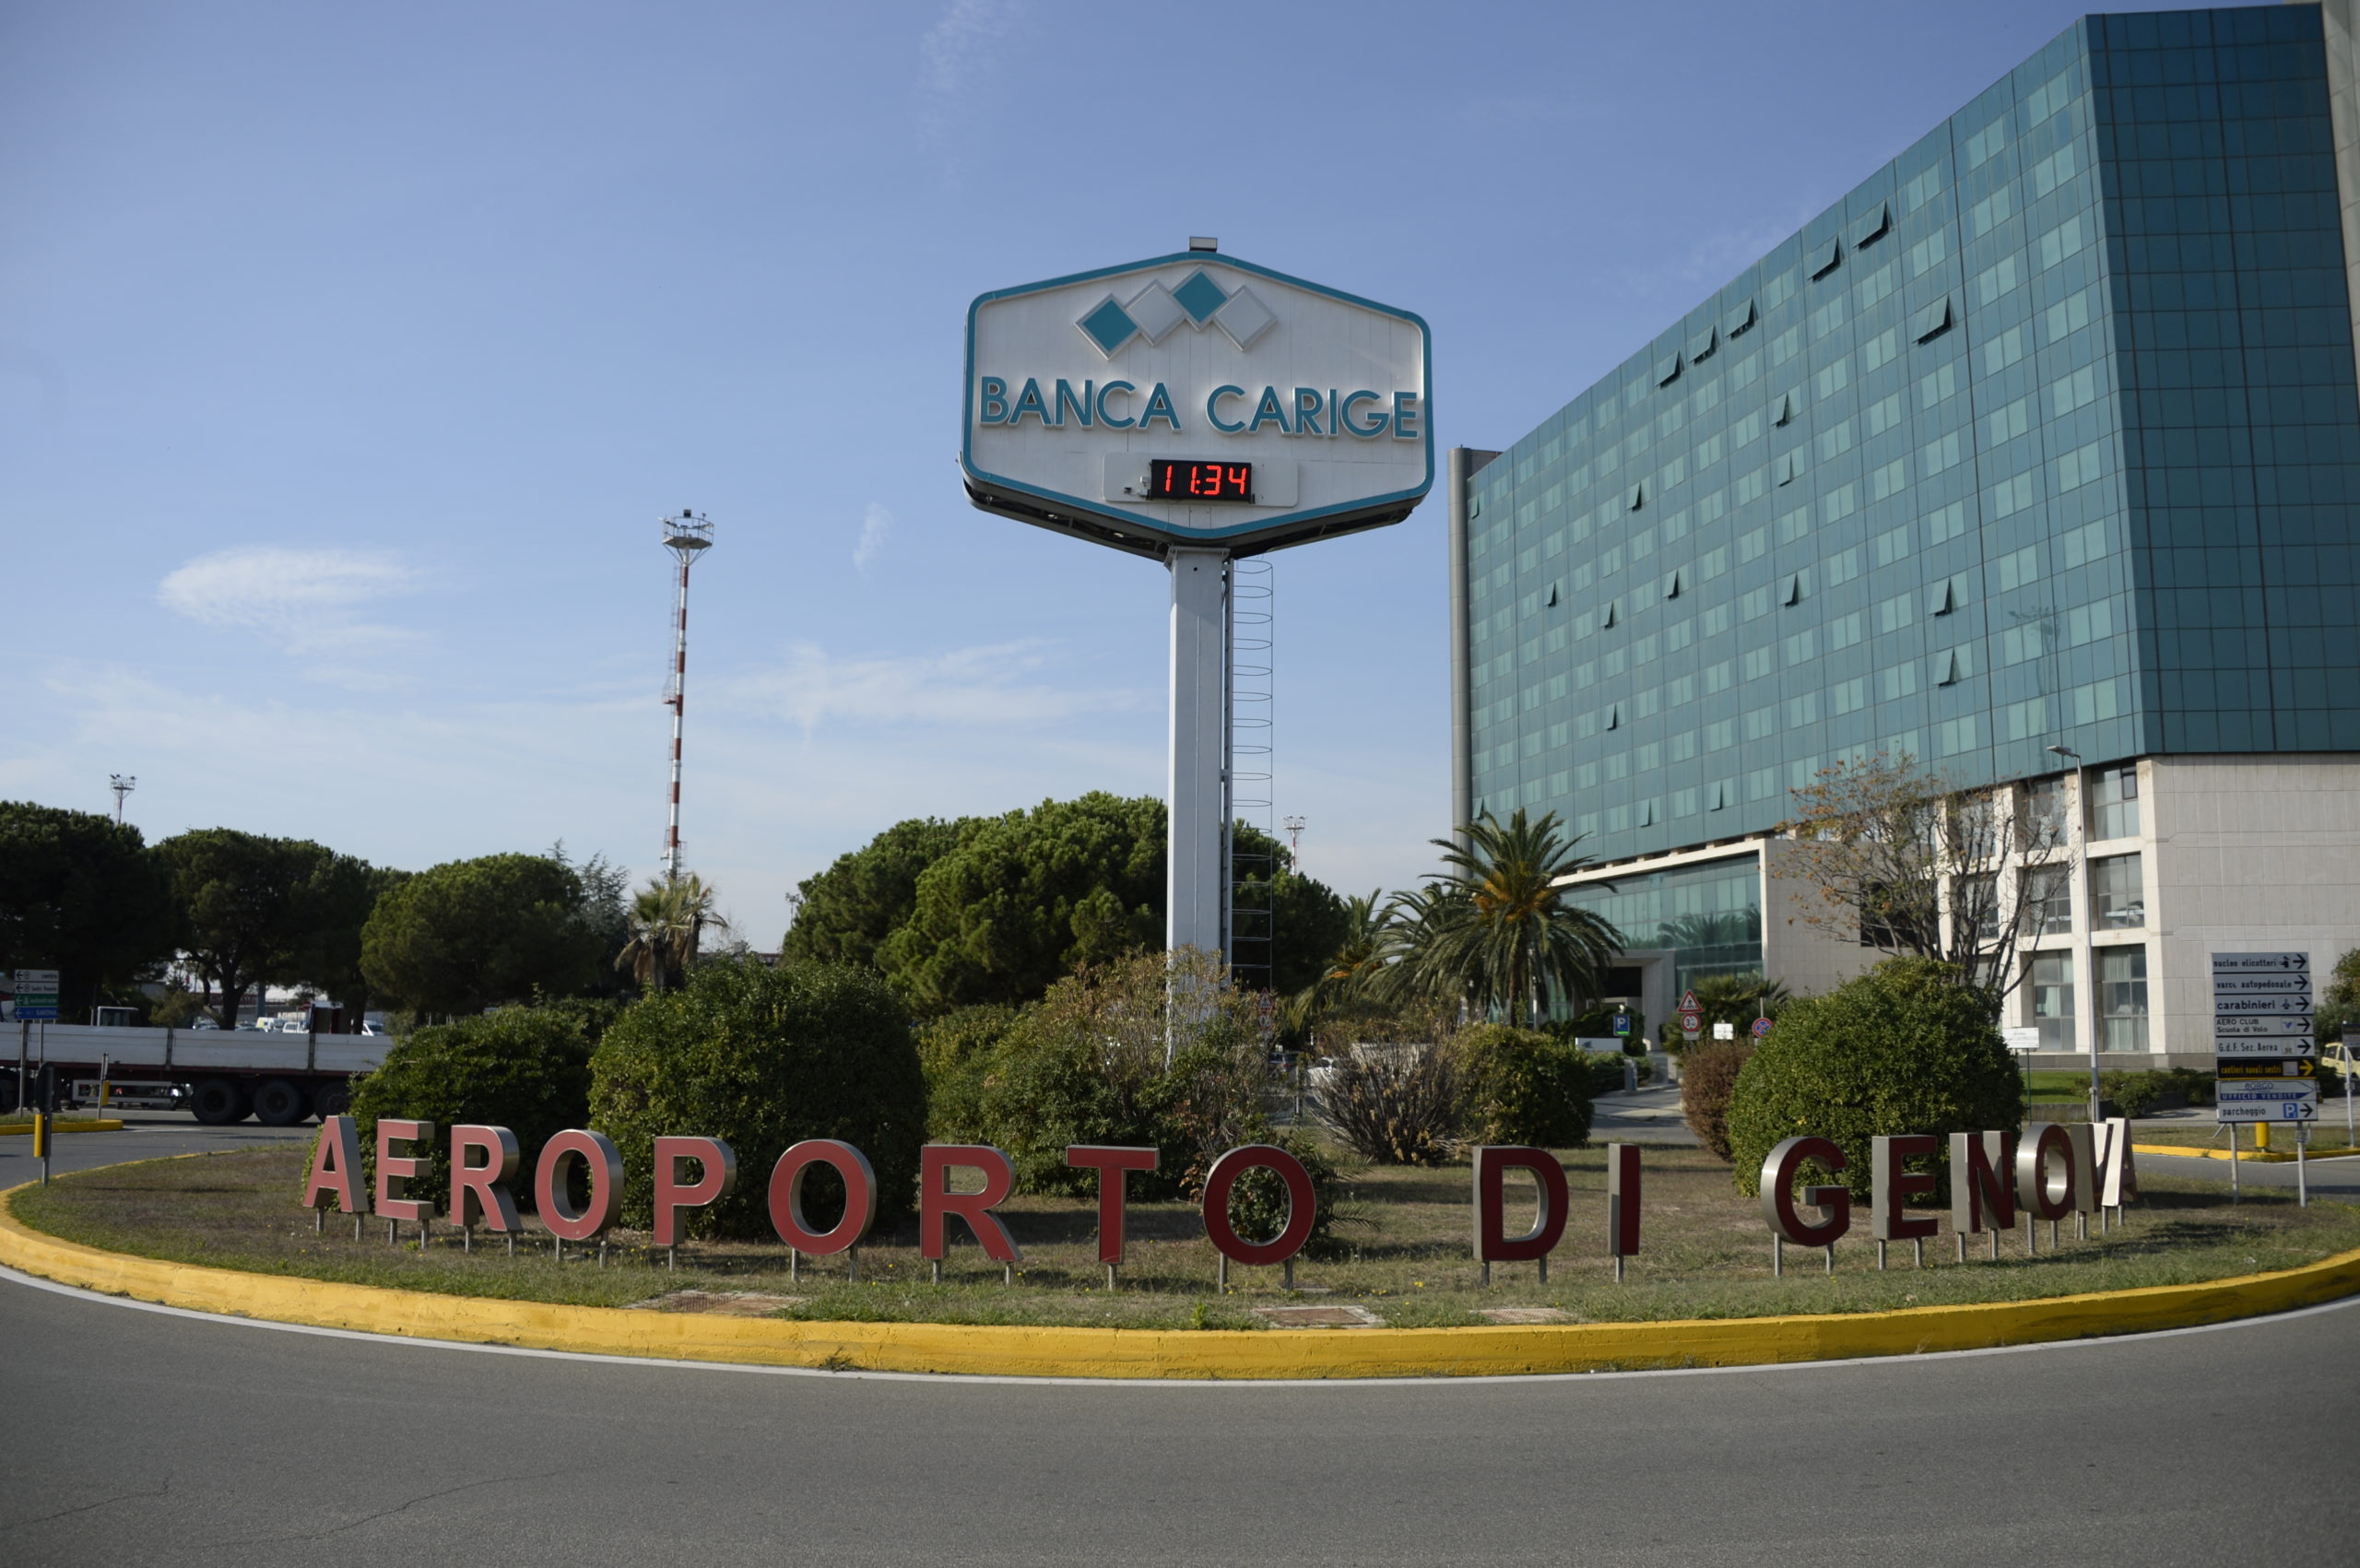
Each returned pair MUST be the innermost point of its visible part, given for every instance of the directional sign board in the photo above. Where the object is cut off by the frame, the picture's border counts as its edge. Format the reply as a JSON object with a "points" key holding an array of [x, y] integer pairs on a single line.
{"points": [[2262, 963], [2295, 1101], [36, 991], [2267, 1068], [2021, 1038], [2264, 1059]]}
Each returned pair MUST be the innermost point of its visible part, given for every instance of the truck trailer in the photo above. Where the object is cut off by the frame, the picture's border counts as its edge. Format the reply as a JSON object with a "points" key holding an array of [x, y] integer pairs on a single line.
{"points": [[219, 1075]]}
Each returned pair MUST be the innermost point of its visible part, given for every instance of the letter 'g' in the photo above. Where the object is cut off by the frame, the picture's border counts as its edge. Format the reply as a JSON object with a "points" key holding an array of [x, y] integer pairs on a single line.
{"points": [[1779, 1193]]}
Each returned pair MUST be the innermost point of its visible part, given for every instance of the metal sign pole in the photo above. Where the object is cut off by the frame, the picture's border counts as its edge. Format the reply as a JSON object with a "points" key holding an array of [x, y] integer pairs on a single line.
{"points": [[1195, 890], [2233, 1196]]}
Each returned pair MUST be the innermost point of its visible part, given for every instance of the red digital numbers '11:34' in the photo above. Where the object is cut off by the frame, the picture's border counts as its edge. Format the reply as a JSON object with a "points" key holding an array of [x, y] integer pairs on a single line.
{"points": [[1175, 480]]}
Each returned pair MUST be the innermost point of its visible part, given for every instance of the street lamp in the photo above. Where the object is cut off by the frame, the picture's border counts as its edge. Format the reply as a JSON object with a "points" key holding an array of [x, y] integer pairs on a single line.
{"points": [[2089, 983], [123, 784]]}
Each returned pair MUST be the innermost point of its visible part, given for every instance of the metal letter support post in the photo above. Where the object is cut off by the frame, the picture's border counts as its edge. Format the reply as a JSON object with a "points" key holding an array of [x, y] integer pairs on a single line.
{"points": [[1196, 874]]}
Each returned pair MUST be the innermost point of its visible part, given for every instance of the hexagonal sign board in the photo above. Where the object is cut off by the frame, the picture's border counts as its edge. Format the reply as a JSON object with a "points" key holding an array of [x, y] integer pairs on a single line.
{"points": [[1197, 400]]}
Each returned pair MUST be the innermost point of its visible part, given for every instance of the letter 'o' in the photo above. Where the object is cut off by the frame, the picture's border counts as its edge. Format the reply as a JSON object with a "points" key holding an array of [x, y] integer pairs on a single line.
{"points": [[786, 1195], [1302, 1210], [597, 1151]]}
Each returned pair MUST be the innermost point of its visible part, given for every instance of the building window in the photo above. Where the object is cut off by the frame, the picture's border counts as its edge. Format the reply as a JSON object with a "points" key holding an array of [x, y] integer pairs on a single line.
{"points": [[2114, 804], [2052, 1000], [2042, 826], [2118, 893], [2122, 994], [2048, 901]]}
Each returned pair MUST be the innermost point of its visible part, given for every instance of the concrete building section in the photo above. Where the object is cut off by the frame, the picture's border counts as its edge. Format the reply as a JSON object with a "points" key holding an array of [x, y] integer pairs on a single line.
{"points": [[2249, 854], [2034, 460]]}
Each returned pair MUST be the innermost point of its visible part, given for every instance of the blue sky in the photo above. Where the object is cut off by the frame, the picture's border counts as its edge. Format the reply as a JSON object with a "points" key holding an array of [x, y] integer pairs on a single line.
{"points": [[349, 356]]}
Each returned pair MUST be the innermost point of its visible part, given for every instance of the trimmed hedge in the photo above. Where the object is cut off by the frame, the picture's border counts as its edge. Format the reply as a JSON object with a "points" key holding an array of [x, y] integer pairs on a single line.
{"points": [[763, 1058], [524, 1068], [1522, 1087], [1900, 1049]]}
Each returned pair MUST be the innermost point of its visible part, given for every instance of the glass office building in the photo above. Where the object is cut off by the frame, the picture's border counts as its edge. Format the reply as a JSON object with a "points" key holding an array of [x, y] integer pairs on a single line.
{"points": [[2047, 435]]}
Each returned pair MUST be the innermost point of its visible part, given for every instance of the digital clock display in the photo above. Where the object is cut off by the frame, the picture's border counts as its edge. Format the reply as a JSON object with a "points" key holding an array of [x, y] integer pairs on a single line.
{"points": [[1171, 480]]}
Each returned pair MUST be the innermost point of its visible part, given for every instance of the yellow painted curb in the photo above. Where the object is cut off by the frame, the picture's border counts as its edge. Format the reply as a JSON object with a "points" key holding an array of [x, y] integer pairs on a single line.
{"points": [[1169, 1353], [102, 1124], [2264, 1156]]}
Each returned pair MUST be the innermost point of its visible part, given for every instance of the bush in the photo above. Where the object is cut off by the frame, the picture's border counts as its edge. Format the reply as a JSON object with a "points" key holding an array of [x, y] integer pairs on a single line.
{"points": [[2133, 1093], [1903, 1048], [763, 1058], [1086, 1064], [1705, 1085], [1607, 1067], [2194, 1085], [1520, 1087], [1396, 1107], [524, 1068]]}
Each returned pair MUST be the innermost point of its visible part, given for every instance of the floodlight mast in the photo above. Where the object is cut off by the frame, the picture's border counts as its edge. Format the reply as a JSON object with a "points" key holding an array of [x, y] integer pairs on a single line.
{"points": [[687, 537], [123, 784]]}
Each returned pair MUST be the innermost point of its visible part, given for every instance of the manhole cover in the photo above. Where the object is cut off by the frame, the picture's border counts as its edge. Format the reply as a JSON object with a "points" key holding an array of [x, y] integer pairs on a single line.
{"points": [[1317, 1316], [1524, 1315], [723, 1304]]}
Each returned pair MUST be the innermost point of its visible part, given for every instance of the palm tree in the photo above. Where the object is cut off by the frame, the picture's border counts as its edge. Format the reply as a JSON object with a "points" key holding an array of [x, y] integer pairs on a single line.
{"points": [[668, 921], [1739, 998], [1498, 927]]}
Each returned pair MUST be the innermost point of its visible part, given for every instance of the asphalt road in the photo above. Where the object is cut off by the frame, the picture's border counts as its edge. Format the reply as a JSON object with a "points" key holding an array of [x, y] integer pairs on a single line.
{"points": [[139, 1436]]}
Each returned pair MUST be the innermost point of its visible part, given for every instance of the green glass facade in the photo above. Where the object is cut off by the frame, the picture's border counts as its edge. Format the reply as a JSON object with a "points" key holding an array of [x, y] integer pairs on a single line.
{"points": [[2046, 435]]}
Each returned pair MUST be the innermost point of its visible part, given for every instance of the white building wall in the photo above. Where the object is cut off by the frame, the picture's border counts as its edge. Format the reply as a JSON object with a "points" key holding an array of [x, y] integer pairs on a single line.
{"points": [[2256, 853]]}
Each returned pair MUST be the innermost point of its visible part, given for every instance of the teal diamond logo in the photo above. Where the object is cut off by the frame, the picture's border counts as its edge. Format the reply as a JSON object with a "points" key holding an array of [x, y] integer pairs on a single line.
{"points": [[1110, 327], [1201, 297]]}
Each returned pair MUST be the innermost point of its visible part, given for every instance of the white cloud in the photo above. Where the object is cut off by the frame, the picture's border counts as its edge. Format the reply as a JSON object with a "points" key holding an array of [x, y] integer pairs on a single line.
{"points": [[309, 601], [959, 50], [873, 527], [985, 687]]}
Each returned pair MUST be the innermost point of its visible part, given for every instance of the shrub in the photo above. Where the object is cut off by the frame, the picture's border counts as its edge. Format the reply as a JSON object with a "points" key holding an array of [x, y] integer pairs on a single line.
{"points": [[1900, 1049], [2133, 1093], [1396, 1107], [1705, 1085], [1086, 1064], [2194, 1085], [762, 1058], [954, 1052], [1523, 1086], [524, 1068], [1606, 1069]]}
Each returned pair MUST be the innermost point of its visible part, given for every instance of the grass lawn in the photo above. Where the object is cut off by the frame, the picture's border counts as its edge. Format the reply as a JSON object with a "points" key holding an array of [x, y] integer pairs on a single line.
{"points": [[1403, 1254]]}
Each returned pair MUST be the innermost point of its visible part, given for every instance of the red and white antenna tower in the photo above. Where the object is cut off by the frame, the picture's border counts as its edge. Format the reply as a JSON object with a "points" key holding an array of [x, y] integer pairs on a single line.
{"points": [[687, 537]]}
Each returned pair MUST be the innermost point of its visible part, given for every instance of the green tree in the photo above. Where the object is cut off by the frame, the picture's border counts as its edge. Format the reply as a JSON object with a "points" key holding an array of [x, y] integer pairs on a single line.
{"points": [[475, 933], [1026, 898], [1903, 1048], [80, 895], [1738, 1000], [1500, 931], [606, 909], [667, 922], [1308, 921], [332, 905], [844, 913], [249, 907]]}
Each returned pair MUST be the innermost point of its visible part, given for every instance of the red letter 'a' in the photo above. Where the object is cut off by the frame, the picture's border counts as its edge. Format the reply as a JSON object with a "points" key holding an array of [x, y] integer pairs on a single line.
{"points": [[335, 1167]]}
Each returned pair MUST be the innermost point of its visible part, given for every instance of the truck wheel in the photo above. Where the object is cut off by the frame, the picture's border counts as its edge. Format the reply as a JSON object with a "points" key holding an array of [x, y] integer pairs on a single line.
{"points": [[217, 1102], [278, 1103], [333, 1099]]}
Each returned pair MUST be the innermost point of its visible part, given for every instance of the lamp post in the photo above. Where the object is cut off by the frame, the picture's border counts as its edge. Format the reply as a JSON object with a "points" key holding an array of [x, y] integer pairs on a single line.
{"points": [[2089, 983], [123, 784]]}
